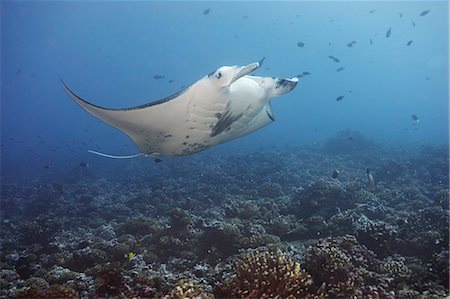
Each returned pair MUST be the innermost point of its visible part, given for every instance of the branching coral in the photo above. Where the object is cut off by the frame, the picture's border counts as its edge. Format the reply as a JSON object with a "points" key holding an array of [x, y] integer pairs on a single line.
{"points": [[266, 275], [189, 289], [339, 266]]}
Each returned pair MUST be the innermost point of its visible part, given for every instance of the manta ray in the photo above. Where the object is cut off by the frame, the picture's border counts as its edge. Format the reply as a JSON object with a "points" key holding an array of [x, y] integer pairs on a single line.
{"points": [[223, 105]]}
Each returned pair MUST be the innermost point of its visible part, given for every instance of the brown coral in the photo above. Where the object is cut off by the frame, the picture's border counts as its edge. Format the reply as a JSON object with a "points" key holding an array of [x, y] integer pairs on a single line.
{"points": [[53, 292], [339, 266], [266, 275], [189, 289]]}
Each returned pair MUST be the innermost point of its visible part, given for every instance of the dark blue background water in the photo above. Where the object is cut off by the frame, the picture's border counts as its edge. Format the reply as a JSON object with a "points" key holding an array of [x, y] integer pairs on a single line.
{"points": [[108, 53]]}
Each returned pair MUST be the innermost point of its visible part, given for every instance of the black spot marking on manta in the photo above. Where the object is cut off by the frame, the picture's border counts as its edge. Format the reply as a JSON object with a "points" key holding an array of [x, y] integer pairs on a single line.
{"points": [[168, 135], [187, 137], [283, 83], [184, 143], [224, 122]]}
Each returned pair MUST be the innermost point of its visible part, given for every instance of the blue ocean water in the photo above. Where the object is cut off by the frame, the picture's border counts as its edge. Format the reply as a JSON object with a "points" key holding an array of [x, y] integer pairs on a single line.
{"points": [[108, 53], [354, 170]]}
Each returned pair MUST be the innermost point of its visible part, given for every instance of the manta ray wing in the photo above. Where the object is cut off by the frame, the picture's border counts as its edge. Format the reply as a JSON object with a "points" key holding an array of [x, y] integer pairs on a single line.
{"points": [[178, 125], [155, 127]]}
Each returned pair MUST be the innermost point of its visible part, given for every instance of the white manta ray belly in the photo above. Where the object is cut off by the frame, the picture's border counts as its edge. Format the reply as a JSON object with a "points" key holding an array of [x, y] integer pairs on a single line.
{"points": [[220, 107]]}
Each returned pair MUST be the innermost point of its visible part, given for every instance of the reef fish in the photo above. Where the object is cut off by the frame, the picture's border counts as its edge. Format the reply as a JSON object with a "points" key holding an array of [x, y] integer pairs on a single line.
{"points": [[425, 12], [351, 44], [335, 59], [388, 33], [158, 77], [224, 105], [335, 174]]}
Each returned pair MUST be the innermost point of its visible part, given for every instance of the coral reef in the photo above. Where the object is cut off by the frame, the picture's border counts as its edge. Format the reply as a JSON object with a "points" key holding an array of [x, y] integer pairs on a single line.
{"points": [[53, 292], [266, 275], [188, 289], [269, 224], [338, 266]]}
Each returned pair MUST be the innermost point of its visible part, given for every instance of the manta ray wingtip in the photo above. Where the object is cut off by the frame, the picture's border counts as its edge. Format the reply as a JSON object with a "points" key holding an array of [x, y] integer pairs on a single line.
{"points": [[260, 62]]}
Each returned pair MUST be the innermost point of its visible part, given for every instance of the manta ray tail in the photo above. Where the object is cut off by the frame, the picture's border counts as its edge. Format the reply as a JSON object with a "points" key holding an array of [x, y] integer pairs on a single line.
{"points": [[114, 157]]}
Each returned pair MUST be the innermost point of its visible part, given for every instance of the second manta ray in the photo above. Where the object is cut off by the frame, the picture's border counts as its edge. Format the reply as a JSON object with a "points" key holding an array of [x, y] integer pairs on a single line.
{"points": [[222, 106]]}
